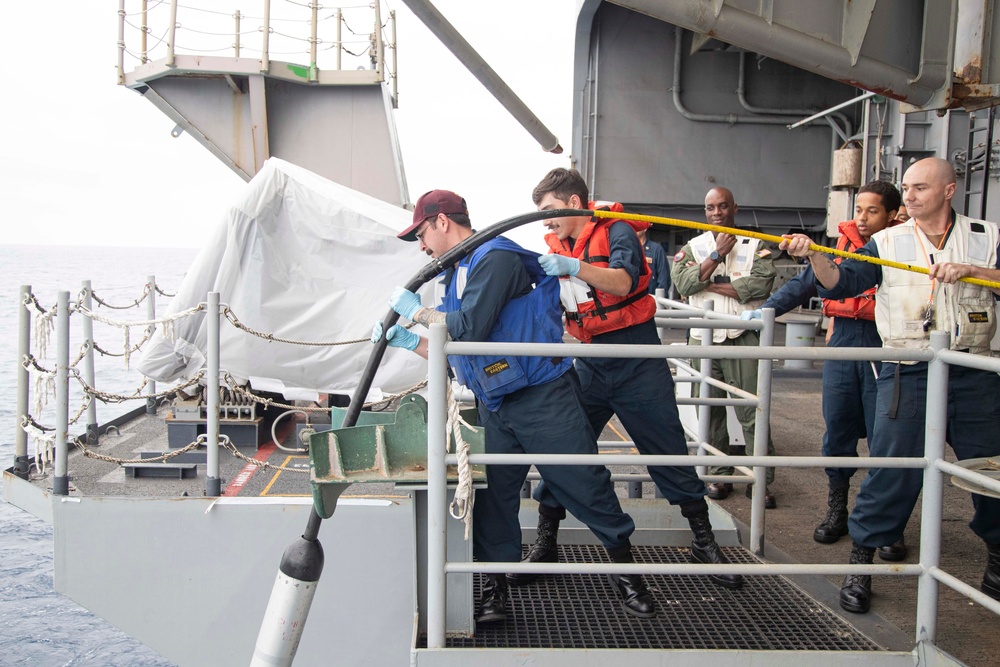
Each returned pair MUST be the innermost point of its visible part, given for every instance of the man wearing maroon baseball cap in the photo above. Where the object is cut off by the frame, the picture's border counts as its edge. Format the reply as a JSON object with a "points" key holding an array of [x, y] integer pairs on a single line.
{"points": [[528, 405], [430, 205]]}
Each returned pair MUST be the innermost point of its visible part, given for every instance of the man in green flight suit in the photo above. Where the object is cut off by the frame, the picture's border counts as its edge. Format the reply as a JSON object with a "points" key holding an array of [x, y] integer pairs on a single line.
{"points": [[737, 273]]}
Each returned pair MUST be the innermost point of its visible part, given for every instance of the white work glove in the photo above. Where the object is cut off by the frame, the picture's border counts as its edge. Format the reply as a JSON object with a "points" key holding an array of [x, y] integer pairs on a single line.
{"points": [[559, 265], [397, 337], [750, 314]]}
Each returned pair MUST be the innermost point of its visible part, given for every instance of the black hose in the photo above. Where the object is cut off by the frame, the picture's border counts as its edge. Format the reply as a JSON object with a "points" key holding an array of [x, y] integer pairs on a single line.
{"points": [[428, 272]]}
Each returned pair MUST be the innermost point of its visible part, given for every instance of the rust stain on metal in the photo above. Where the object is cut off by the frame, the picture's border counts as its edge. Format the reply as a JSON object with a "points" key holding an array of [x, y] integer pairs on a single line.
{"points": [[973, 70]]}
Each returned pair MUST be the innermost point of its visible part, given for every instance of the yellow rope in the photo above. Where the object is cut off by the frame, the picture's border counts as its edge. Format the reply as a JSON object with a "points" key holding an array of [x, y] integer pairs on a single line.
{"points": [[673, 222]]}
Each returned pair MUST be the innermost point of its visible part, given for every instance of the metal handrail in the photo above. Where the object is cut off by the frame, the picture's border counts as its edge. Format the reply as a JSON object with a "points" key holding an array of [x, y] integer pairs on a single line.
{"points": [[932, 463]]}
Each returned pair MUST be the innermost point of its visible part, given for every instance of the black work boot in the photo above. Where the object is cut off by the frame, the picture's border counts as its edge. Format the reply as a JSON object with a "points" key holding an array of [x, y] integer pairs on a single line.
{"points": [[493, 604], [893, 552], [636, 598], [991, 577], [856, 591], [834, 526], [542, 551], [704, 548]]}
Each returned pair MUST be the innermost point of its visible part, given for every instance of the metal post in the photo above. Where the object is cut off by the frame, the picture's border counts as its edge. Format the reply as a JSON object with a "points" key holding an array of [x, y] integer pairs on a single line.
{"points": [[761, 435], [935, 427], [437, 492], [23, 349], [60, 482], [395, 59], [705, 411], [88, 364], [339, 47], [121, 42], [213, 484], [265, 59], [151, 315], [172, 34], [236, 45], [145, 31], [379, 50], [313, 21]]}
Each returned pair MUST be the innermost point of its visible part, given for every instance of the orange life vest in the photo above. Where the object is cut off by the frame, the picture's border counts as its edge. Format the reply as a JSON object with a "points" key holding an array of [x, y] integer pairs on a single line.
{"points": [[861, 307], [604, 312]]}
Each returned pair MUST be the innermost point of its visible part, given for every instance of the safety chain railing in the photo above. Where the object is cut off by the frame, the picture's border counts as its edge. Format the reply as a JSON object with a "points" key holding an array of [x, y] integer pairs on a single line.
{"points": [[49, 381], [238, 389], [146, 290]]}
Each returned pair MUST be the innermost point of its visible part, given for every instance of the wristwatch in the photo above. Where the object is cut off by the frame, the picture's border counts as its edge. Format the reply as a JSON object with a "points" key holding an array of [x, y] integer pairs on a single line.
{"points": [[715, 256]]}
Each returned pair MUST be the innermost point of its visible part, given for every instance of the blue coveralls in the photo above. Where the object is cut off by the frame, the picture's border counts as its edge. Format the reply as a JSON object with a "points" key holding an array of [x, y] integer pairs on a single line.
{"points": [[543, 418], [639, 391], [888, 495], [848, 386]]}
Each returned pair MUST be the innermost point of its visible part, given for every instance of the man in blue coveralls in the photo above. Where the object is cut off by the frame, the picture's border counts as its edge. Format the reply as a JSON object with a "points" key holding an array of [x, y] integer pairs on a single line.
{"points": [[530, 405], [605, 299], [848, 386], [908, 306]]}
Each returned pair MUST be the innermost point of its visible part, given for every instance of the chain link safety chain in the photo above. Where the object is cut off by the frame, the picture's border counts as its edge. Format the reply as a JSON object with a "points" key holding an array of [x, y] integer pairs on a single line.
{"points": [[235, 321], [146, 290], [673, 222], [238, 389]]}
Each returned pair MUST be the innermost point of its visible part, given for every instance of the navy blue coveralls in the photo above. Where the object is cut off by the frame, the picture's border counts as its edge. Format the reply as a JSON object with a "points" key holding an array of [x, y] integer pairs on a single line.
{"points": [[639, 391], [546, 418], [887, 496], [848, 386]]}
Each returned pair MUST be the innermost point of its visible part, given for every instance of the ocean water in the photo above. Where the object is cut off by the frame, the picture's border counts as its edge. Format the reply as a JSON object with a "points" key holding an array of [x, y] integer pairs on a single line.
{"points": [[40, 627]]}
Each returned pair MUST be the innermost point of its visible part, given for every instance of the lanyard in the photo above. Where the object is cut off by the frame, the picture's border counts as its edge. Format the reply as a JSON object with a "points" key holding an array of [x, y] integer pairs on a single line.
{"points": [[929, 311]]}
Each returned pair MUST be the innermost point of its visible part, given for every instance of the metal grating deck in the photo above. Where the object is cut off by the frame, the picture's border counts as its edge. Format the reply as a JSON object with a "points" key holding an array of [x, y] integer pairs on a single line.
{"points": [[583, 612]]}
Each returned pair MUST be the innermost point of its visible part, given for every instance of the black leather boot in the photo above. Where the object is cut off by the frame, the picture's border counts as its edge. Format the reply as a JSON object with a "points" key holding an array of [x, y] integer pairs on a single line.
{"points": [[542, 551], [834, 526], [856, 591], [636, 598], [704, 548], [493, 605], [991, 577], [894, 552]]}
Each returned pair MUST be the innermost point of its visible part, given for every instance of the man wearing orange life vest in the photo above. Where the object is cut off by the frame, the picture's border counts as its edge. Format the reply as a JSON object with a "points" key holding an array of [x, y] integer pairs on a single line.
{"points": [[848, 386], [736, 273], [604, 294]]}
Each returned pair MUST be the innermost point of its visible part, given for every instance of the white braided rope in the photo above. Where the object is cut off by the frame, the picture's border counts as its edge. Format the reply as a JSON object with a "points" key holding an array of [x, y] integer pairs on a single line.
{"points": [[44, 445], [461, 506]]}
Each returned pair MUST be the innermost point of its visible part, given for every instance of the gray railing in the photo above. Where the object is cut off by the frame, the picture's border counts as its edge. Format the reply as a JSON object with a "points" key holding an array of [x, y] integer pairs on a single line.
{"points": [[927, 570]]}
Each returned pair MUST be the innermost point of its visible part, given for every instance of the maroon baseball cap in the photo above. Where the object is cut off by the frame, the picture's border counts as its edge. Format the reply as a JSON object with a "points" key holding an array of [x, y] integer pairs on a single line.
{"points": [[429, 205]]}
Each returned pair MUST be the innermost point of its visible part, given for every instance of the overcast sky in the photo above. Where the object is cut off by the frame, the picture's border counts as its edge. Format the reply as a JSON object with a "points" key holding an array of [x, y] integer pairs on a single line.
{"points": [[88, 162]]}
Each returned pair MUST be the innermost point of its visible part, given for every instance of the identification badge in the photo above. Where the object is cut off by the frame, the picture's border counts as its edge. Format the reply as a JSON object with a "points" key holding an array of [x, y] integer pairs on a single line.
{"points": [[979, 318], [905, 248]]}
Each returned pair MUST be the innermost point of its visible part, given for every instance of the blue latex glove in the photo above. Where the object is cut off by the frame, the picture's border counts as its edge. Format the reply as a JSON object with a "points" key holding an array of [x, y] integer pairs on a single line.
{"points": [[397, 337], [559, 265], [405, 302], [750, 314]]}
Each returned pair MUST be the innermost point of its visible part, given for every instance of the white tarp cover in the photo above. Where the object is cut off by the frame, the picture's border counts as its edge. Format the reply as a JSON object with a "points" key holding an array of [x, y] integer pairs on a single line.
{"points": [[305, 259]]}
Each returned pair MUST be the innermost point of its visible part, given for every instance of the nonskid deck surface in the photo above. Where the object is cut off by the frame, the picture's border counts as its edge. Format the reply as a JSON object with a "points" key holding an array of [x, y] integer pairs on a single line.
{"points": [[584, 612]]}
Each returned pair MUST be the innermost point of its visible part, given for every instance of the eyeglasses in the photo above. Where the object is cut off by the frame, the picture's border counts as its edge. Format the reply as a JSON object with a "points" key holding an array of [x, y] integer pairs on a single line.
{"points": [[420, 236]]}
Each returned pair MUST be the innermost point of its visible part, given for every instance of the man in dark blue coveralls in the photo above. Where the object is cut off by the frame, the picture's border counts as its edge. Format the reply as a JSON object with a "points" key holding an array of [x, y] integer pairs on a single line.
{"points": [[526, 404], [848, 386], [605, 299], [908, 306]]}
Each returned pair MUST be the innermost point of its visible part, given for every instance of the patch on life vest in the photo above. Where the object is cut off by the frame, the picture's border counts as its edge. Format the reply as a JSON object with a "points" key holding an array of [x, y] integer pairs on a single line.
{"points": [[679, 256], [496, 367], [764, 253], [979, 317]]}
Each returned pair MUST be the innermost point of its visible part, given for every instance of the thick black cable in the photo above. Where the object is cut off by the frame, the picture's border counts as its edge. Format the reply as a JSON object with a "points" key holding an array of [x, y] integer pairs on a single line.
{"points": [[429, 272]]}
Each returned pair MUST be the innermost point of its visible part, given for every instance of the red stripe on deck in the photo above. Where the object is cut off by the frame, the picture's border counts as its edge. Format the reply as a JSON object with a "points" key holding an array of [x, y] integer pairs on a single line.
{"points": [[249, 470]]}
